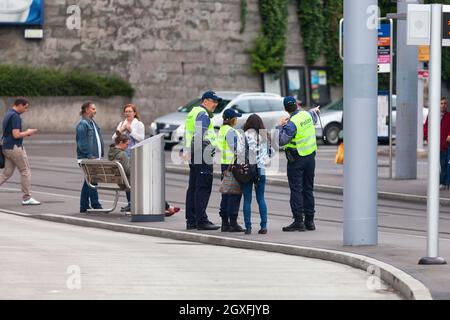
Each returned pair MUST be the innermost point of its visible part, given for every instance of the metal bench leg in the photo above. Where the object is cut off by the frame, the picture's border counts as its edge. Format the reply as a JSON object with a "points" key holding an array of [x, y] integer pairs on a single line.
{"points": [[116, 199]]}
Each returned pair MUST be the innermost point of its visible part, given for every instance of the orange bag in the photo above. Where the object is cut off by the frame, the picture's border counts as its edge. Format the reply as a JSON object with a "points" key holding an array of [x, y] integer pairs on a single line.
{"points": [[340, 154]]}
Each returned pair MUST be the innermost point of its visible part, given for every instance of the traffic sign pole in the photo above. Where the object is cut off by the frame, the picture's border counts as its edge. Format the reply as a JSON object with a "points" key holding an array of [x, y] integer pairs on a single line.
{"points": [[434, 138]]}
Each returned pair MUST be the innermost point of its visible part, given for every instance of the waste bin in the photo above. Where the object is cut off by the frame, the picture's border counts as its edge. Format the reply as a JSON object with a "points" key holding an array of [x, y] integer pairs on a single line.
{"points": [[148, 180]]}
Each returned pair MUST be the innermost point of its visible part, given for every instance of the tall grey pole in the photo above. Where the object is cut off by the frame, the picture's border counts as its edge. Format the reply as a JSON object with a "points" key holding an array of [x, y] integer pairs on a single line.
{"points": [[434, 126], [360, 102], [406, 121]]}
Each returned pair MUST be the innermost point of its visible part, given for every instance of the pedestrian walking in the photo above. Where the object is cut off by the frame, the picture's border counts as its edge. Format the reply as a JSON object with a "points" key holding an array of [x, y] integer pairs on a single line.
{"points": [[89, 146], [131, 126], [14, 151], [298, 136], [228, 142], [260, 150], [200, 143], [444, 141]]}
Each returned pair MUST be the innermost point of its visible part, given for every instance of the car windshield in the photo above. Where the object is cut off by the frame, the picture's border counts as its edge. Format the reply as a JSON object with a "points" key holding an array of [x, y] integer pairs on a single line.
{"points": [[196, 102]]}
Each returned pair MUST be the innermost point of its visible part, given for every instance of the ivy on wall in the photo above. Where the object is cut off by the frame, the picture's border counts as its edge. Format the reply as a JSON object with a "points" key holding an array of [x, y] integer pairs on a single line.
{"points": [[270, 47], [319, 23], [243, 15], [312, 28], [333, 11]]}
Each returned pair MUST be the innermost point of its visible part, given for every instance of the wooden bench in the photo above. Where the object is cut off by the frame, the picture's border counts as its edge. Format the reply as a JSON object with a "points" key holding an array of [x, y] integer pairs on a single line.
{"points": [[105, 175]]}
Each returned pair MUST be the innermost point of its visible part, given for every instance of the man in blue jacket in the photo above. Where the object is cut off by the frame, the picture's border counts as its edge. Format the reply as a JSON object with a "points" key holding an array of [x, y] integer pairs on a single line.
{"points": [[89, 146]]}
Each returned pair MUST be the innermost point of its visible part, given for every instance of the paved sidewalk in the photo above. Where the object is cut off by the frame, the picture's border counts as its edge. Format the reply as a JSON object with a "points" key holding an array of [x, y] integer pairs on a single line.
{"points": [[399, 250]]}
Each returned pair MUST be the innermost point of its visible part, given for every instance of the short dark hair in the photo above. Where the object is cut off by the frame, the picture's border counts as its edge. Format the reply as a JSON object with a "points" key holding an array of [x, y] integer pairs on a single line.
{"points": [[21, 101], [84, 107], [120, 138]]}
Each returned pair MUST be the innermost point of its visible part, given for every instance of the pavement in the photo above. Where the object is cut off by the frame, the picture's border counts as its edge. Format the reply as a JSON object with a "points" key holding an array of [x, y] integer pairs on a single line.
{"points": [[393, 260]]}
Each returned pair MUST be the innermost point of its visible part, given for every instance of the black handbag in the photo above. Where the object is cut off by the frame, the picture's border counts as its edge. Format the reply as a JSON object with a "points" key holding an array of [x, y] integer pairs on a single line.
{"points": [[245, 172]]}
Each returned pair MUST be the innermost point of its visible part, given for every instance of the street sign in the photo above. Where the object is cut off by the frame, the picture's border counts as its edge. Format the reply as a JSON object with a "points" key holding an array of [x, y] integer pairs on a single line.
{"points": [[446, 26], [384, 48], [423, 53], [418, 24], [422, 74]]}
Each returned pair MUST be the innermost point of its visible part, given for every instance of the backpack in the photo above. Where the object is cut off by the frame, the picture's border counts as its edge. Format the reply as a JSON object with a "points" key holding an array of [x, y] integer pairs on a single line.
{"points": [[246, 172]]}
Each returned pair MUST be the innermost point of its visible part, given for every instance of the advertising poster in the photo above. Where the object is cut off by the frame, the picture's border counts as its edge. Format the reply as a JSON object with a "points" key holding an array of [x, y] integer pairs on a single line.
{"points": [[319, 88], [21, 12]]}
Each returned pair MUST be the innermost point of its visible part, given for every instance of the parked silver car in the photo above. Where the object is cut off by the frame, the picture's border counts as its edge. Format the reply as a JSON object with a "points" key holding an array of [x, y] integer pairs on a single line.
{"points": [[331, 117], [267, 105]]}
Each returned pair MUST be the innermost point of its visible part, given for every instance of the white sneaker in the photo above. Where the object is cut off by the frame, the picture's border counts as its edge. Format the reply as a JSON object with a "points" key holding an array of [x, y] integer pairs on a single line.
{"points": [[442, 187], [30, 202]]}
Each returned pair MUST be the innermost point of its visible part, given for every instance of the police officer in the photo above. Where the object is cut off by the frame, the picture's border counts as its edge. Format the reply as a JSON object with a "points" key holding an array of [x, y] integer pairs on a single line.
{"points": [[298, 136], [228, 142], [200, 143]]}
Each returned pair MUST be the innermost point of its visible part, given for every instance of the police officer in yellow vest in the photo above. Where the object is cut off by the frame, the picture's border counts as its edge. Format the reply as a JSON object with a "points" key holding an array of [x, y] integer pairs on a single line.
{"points": [[229, 142], [200, 144], [298, 136]]}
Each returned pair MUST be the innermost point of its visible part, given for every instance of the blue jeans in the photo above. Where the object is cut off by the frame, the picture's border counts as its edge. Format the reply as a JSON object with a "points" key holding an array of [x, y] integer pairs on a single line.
{"points": [[444, 163], [259, 190], [89, 194]]}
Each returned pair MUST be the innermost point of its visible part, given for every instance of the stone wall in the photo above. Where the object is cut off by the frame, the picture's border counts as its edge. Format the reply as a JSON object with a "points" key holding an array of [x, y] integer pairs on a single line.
{"points": [[169, 50], [61, 114]]}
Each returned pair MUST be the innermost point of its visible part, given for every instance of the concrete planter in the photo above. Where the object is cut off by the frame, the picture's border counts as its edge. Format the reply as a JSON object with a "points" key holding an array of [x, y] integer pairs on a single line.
{"points": [[61, 114]]}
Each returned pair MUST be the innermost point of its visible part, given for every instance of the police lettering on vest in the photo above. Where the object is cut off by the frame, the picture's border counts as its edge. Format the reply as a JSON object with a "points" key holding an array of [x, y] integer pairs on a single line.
{"points": [[304, 140]]}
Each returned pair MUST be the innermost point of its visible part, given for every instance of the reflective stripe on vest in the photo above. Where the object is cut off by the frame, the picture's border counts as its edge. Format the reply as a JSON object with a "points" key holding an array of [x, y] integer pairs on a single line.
{"points": [[190, 128], [305, 137], [227, 153]]}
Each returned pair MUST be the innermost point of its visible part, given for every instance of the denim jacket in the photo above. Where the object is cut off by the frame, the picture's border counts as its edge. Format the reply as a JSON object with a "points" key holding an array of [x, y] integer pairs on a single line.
{"points": [[86, 140]]}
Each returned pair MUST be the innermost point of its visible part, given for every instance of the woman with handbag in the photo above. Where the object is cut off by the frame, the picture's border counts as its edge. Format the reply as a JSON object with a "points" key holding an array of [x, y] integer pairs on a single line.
{"points": [[228, 143], [260, 151]]}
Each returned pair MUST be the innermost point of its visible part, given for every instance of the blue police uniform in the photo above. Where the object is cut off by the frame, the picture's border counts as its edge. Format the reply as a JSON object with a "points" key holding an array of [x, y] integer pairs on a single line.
{"points": [[300, 167], [199, 136]]}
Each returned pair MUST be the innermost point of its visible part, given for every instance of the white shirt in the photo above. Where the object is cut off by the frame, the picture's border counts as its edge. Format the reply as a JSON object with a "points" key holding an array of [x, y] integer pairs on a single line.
{"points": [[137, 130]]}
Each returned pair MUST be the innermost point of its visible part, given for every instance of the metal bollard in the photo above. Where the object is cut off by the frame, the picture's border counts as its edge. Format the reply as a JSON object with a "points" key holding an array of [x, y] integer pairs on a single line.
{"points": [[148, 180]]}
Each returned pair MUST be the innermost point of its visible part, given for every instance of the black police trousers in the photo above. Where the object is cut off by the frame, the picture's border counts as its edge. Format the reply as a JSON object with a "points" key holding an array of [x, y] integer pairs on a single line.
{"points": [[300, 173], [198, 193]]}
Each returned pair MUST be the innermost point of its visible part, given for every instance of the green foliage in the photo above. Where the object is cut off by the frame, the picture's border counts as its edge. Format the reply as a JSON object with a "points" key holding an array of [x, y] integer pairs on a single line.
{"points": [[243, 15], [27, 81], [333, 12], [312, 26], [270, 46]]}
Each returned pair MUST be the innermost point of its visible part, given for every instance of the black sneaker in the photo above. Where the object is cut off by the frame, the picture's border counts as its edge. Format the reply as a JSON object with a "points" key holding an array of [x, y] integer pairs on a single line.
{"points": [[225, 228], [125, 209], [295, 226]]}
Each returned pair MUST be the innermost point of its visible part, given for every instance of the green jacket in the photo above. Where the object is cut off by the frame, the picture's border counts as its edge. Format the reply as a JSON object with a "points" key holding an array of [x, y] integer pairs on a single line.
{"points": [[115, 154]]}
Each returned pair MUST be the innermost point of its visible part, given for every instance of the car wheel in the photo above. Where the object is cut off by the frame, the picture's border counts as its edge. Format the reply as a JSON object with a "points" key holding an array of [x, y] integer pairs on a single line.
{"points": [[331, 135]]}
